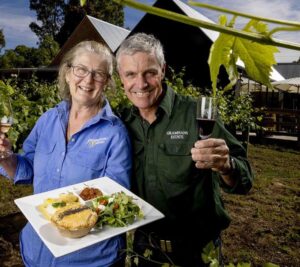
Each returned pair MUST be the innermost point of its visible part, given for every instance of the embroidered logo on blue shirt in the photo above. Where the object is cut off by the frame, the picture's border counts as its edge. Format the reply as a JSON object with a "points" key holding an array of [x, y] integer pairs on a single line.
{"points": [[93, 142]]}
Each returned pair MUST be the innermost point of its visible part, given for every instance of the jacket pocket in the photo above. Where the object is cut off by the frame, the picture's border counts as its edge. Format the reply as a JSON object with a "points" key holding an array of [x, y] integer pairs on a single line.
{"points": [[175, 162], [177, 149]]}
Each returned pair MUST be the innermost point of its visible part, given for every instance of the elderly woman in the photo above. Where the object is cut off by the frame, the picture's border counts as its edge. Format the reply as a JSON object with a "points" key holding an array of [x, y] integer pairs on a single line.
{"points": [[78, 140]]}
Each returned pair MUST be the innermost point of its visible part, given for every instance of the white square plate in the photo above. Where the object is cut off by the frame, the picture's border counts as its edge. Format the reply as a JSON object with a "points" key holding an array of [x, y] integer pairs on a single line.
{"points": [[60, 245]]}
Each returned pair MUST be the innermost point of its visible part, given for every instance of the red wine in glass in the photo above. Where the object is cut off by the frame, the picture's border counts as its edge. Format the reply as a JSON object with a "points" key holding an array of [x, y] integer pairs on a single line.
{"points": [[205, 127], [206, 115]]}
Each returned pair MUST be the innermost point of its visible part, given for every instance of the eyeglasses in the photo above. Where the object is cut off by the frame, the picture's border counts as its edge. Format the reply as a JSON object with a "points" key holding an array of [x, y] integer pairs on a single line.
{"points": [[81, 72]]}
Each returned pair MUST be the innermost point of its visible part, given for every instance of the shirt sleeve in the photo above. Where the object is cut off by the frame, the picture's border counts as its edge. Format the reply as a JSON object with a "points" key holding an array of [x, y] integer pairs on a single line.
{"points": [[119, 161], [3, 172], [24, 171], [242, 174]]}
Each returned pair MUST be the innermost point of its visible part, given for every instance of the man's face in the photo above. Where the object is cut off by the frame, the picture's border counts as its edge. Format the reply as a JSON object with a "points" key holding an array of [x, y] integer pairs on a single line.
{"points": [[141, 76]]}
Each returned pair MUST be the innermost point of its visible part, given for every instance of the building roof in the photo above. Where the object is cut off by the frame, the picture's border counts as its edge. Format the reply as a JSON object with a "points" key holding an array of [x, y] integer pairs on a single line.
{"points": [[187, 46], [112, 34], [213, 35], [288, 70], [91, 28]]}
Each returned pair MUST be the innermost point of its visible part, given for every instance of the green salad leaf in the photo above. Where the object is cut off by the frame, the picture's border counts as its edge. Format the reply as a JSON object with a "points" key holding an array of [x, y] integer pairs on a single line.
{"points": [[116, 210]]}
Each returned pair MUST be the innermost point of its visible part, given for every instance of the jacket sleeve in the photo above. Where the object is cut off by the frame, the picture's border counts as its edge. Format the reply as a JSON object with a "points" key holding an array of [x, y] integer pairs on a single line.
{"points": [[242, 173]]}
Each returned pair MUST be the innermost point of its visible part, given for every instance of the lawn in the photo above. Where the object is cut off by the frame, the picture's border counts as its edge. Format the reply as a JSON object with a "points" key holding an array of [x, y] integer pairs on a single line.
{"points": [[265, 223]]}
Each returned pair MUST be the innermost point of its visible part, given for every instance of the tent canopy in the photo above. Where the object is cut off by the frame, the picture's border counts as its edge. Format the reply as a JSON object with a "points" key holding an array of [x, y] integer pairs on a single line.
{"points": [[291, 85]]}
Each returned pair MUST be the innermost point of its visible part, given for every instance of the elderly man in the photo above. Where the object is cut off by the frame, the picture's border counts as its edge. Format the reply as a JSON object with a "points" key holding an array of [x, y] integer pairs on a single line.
{"points": [[173, 170]]}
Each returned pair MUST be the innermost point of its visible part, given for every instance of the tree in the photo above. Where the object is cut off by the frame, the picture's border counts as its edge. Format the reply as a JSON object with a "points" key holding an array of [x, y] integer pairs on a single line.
{"points": [[47, 50], [2, 40], [50, 14], [59, 18], [105, 10], [27, 57]]}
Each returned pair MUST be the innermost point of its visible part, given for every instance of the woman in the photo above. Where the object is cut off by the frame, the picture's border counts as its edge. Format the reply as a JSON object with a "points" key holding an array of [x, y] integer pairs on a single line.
{"points": [[78, 140]]}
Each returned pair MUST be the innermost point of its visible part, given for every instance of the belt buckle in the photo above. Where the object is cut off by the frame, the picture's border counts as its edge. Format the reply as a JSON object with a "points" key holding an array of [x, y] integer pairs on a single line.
{"points": [[166, 245]]}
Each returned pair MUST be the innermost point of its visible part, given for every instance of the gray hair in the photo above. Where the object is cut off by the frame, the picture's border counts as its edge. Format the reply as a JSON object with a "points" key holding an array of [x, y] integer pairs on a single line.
{"points": [[142, 42], [68, 59]]}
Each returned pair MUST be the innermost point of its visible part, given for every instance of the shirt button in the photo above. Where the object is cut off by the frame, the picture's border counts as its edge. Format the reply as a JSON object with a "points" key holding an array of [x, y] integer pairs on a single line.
{"points": [[57, 170], [73, 139]]}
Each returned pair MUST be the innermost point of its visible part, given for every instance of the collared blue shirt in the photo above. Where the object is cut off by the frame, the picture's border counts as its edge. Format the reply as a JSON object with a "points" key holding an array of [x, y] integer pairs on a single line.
{"points": [[100, 148]]}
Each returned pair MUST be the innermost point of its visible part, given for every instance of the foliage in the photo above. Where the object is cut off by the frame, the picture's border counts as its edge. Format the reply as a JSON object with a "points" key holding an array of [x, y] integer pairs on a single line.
{"points": [[46, 51], [238, 111], [227, 49], [116, 96], [2, 40], [176, 81], [5, 92], [29, 100], [59, 18], [27, 57], [73, 13], [210, 255], [50, 16], [255, 34]]}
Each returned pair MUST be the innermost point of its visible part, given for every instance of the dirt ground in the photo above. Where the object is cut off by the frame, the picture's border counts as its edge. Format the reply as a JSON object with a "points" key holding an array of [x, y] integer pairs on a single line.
{"points": [[265, 223]]}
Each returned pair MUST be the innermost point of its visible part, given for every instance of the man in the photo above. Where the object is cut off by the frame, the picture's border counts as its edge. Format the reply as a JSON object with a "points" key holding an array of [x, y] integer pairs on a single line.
{"points": [[173, 170]]}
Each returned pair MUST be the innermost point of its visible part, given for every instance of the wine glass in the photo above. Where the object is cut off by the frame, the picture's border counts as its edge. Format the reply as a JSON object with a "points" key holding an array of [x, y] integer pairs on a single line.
{"points": [[206, 116], [6, 122]]}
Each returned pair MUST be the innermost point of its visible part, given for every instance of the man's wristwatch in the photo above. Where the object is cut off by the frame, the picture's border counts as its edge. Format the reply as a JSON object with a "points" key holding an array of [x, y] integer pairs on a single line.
{"points": [[232, 167]]}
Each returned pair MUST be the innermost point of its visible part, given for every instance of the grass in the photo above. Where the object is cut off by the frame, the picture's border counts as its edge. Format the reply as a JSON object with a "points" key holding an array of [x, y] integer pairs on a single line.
{"points": [[265, 223]]}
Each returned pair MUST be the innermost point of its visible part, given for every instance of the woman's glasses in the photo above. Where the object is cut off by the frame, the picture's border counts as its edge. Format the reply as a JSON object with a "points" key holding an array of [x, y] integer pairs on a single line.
{"points": [[82, 72]]}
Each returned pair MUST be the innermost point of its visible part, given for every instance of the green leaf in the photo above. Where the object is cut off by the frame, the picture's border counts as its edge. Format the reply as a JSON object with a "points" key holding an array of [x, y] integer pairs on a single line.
{"points": [[258, 59], [219, 55], [82, 2], [244, 264], [227, 49], [147, 253], [136, 261], [269, 264]]}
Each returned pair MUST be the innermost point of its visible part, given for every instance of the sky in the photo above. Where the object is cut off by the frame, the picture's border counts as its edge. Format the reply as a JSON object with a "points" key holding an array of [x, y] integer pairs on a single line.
{"points": [[15, 17]]}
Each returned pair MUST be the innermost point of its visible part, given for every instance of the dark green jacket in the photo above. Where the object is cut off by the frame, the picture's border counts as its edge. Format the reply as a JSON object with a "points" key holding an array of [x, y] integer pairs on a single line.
{"points": [[165, 175]]}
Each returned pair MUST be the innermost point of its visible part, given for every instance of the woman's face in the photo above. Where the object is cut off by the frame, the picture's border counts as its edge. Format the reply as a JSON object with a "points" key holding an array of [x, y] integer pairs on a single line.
{"points": [[87, 78]]}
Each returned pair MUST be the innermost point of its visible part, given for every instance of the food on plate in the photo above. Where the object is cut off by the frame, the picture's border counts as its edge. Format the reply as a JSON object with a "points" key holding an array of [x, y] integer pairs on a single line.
{"points": [[75, 220], [51, 205], [116, 210], [90, 193]]}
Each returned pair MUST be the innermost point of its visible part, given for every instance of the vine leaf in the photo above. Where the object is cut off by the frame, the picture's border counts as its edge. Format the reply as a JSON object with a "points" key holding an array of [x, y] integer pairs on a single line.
{"points": [[227, 49], [82, 2], [5, 89]]}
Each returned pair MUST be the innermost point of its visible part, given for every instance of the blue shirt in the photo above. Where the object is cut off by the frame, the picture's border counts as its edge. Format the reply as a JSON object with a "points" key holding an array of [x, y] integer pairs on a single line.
{"points": [[100, 148]]}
